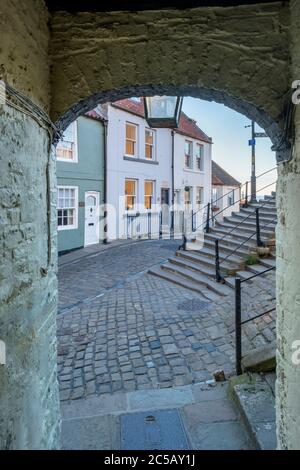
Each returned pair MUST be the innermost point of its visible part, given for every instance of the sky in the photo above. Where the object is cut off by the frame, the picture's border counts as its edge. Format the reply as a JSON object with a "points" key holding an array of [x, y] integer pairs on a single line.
{"points": [[230, 141]]}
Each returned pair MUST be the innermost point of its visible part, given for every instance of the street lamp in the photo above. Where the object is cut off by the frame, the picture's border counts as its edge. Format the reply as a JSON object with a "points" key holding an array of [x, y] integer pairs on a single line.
{"points": [[163, 111]]}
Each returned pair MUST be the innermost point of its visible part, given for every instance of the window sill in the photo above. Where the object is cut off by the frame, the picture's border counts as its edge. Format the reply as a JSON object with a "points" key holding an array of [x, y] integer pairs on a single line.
{"points": [[140, 160], [63, 229], [66, 160], [191, 170]]}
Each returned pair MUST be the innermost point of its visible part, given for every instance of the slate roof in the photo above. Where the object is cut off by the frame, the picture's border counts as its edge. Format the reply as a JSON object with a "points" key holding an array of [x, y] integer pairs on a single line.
{"points": [[98, 113], [220, 177], [187, 126]]}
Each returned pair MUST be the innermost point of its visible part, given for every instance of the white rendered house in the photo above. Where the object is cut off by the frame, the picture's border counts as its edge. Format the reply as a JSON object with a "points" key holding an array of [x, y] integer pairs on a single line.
{"points": [[149, 171], [226, 192]]}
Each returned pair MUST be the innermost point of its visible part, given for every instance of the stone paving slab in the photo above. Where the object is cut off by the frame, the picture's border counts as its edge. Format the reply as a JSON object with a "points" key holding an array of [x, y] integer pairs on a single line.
{"points": [[125, 402], [219, 436], [91, 433], [207, 415], [256, 401]]}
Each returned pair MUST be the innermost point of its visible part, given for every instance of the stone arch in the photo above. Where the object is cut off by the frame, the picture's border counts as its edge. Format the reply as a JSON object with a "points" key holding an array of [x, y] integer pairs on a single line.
{"points": [[232, 55], [260, 116]]}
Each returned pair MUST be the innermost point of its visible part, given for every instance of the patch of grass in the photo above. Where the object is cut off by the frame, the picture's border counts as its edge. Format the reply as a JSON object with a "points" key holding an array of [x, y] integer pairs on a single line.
{"points": [[252, 258]]}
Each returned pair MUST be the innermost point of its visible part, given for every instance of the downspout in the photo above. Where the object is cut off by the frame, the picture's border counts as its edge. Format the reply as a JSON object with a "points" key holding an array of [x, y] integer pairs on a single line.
{"points": [[173, 183], [105, 240]]}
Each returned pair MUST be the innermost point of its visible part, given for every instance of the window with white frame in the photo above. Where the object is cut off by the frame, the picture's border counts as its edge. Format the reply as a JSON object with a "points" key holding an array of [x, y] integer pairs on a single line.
{"points": [[67, 207], [231, 198], [130, 194], [131, 140], [66, 149], [149, 194], [149, 144], [200, 196], [188, 154], [200, 157]]}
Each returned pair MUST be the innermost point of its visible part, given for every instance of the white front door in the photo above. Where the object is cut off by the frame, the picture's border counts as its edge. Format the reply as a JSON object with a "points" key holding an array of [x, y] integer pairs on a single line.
{"points": [[91, 218]]}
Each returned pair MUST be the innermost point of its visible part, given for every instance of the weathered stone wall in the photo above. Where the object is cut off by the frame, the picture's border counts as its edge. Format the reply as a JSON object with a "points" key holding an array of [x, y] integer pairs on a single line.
{"points": [[24, 48], [288, 262], [215, 53], [29, 407]]}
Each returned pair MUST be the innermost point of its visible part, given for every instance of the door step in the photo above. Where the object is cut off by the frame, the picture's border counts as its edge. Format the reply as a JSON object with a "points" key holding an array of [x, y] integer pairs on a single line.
{"points": [[255, 400]]}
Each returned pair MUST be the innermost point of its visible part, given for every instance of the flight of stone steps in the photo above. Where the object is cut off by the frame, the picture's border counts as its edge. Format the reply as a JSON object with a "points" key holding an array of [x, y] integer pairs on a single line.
{"points": [[195, 270]]}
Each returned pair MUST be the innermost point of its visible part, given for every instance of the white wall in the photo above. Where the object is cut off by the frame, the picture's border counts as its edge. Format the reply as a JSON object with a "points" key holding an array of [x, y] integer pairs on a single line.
{"points": [[192, 177], [224, 192], [120, 168]]}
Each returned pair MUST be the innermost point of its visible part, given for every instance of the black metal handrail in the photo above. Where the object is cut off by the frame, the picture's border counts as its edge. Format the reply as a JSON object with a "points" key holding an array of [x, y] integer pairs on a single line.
{"points": [[246, 240], [212, 218], [243, 220], [239, 187], [219, 277], [238, 317]]}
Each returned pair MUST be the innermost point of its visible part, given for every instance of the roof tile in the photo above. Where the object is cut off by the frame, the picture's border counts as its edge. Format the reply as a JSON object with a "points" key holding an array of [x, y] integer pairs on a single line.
{"points": [[187, 126]]}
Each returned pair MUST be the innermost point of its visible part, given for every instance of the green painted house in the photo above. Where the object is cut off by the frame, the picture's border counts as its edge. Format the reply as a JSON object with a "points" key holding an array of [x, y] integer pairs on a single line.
{"points": [[80, 183]]}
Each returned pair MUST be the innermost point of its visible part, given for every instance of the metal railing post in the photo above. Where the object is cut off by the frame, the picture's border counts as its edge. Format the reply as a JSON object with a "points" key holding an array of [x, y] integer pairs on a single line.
{"points": [[172, 224], [184, 240], [238, 327], [149, 225], [127, 225], [219, 278], [246, 197], [207, 218], [259, 241], [160, 225]]}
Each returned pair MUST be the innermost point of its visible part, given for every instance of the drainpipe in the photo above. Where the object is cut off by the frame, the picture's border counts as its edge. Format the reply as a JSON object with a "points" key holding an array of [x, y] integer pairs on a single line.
{"points": [[105, 183], [173, 184]]}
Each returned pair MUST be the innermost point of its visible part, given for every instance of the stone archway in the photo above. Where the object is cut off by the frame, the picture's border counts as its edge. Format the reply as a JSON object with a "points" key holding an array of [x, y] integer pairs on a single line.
{"points": [[249, 110]]}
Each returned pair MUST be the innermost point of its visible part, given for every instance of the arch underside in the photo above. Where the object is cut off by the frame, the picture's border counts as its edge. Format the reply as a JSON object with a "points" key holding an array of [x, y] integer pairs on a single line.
{"points": [[270, 126]]}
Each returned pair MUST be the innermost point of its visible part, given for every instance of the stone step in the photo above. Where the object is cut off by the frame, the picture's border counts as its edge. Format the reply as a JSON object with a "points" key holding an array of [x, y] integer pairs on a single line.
{"points": [[264, 214], [262, 359], [232, 241], [262, 207], [223, 233], [227, 246], [257, 268], [207, 256], [251, 223], [269, 205], [208, 270], [255, 401], [186, 283], [268, 262], [197, 277], [197, 267], [243, 229], [209, 252], [264, 219], [230, 280]]}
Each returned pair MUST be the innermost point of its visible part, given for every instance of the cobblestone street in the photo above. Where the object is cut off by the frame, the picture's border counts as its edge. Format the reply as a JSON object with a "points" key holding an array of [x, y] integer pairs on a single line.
{"points": [[121, 329]]}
